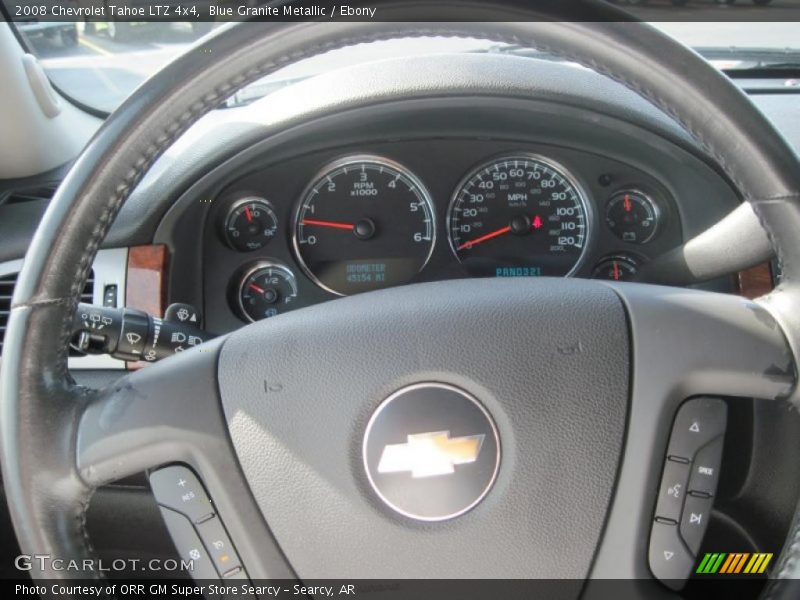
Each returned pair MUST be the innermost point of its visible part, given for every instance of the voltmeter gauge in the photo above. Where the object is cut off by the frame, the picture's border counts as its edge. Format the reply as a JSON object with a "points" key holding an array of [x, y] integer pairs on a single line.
{"points": [[632, 216], [266, 290], [251, 224]]}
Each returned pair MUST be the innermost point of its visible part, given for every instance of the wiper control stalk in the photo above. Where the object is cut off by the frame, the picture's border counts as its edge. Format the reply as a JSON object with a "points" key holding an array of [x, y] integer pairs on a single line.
{"points": [[133, 335]]}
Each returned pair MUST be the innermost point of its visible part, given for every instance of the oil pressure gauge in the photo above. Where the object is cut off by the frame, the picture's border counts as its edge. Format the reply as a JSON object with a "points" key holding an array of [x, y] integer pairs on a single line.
{"points": [[250, 224], [265, 290], [632, 216]]}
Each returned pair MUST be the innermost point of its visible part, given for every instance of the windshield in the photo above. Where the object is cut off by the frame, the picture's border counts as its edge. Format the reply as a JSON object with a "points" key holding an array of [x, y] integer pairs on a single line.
{"points": [[99, 64]]}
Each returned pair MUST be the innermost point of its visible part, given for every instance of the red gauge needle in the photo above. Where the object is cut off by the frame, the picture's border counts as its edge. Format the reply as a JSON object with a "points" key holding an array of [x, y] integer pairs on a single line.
{"points": [[248, 214], [253, 286], [333, 224], [483, 238], [626, 202], [616, 271]]}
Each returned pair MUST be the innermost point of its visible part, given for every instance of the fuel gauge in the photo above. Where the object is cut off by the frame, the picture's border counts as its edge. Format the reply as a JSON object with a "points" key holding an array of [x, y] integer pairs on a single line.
{"points": [[266, 290]]}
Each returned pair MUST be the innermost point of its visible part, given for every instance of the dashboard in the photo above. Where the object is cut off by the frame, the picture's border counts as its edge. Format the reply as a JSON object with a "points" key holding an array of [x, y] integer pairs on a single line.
{"points": [[351, 220], [408, 171]]}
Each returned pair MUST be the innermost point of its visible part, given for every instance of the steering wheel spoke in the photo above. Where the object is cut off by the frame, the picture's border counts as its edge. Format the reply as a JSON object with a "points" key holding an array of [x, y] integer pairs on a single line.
{"points": [[167, 412], [684, 344]]}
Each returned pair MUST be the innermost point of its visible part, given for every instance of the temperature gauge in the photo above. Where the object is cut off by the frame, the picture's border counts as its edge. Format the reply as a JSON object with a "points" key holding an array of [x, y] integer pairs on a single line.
{"points": [[632, 216], [616, 268], [250, 224], [266, 290]]}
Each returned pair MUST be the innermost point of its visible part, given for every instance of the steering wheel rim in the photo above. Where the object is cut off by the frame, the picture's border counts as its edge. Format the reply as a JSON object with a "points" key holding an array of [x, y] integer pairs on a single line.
{"points": [[49, 485]]}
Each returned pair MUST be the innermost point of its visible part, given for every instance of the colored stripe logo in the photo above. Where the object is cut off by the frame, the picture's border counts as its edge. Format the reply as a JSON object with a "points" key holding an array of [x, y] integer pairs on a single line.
{"points": [[734, 563]]}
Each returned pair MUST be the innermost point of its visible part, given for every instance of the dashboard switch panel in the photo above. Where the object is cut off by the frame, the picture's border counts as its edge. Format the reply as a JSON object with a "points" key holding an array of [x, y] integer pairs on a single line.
{"points": [[688, 486]]}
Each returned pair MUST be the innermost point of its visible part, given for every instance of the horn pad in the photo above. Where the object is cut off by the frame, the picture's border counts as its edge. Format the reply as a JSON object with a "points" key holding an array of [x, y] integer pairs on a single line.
{"points": [[539, 368]]}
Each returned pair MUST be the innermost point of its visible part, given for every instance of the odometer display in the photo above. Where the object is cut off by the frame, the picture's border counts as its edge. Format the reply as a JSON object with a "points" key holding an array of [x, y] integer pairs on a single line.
{"points": [[519, 216], [364, 223]]}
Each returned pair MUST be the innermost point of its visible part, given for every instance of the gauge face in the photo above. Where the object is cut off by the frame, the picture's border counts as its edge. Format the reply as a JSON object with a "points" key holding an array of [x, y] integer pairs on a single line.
{"points": [[266, 290], [519, 216], [364, 223], [632, 216], [250, 224], [616, 268]]}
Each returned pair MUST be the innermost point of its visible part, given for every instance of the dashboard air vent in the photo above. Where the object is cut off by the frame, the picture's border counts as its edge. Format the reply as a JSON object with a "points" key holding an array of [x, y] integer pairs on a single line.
{"points": [[43, 192], [7, 283]]}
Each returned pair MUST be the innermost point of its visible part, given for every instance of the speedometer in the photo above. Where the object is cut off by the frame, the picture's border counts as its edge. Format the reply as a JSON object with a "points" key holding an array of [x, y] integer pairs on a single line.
{"points": [[519, 215], [364, 223]]}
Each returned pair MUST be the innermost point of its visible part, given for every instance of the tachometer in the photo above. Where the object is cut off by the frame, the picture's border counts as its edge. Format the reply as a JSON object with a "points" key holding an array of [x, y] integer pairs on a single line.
{"points": [[519, 215], [364, 223]]}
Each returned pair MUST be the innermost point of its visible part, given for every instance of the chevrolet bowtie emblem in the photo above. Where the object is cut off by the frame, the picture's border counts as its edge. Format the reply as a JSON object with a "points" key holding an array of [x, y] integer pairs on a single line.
{"points": [[430, 454]]}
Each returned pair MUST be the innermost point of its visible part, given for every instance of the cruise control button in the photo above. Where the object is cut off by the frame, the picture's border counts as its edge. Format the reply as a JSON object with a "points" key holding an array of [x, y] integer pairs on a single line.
{"points": [[188, 545], [672, 490], [698, 422], [219, 546], [179, 489], [670, 561], [696, 513], [705, 469]]}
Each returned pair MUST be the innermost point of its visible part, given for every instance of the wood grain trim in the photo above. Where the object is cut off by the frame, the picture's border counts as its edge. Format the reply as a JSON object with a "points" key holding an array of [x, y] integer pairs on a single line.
{"points": [[146, 282], [756, 281]]}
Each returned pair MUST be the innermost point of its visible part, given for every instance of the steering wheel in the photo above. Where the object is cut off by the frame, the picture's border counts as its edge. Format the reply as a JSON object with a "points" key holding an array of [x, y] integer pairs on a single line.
{"points": [[580, 379]]}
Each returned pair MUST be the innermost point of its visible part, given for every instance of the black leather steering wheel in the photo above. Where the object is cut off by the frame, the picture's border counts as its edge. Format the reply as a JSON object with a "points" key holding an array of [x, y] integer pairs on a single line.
{"points": [[293, 462]]}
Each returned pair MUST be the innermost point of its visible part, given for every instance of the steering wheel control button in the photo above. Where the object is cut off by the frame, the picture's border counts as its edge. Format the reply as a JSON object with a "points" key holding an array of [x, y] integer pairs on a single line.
{"points": [[672, 491], [696, 514], [189, 545], [689, 482], [179, 489], [431, 452], [670, 561], [698, 422], [705, 469], [219, 546]]}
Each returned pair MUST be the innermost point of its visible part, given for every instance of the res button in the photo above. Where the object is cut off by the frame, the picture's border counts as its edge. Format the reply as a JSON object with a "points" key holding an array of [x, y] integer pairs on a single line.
{"points": [[179, 489]]}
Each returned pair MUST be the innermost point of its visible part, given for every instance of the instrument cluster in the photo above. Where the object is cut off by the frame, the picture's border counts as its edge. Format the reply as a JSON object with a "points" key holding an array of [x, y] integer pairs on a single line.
{"points": [[363, 221]]}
